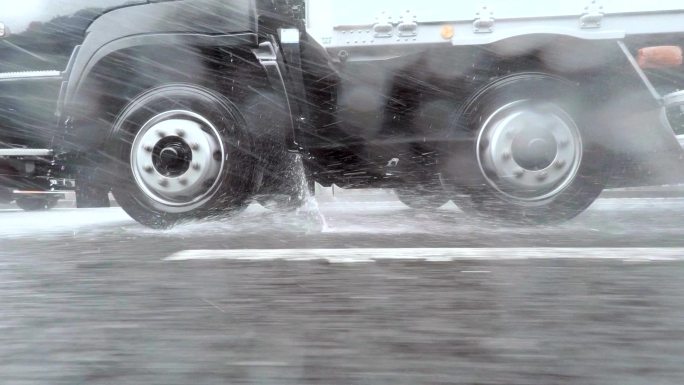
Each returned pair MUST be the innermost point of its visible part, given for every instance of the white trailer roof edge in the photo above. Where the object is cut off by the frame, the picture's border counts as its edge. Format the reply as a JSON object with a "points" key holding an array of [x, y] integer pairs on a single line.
{"points": [[350, 24]]}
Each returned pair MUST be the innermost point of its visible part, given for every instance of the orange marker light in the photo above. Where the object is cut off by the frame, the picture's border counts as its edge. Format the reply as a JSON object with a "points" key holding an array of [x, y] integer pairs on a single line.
{"points": [[666, 56], [447, 32]]}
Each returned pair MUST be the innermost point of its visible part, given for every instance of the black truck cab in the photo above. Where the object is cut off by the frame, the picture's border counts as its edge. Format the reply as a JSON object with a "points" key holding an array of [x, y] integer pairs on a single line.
{"points": [[36, 48], [48, 58]]}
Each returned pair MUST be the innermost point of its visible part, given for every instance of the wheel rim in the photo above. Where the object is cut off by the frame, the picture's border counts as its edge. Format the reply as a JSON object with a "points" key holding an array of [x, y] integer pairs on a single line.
{"points": [[177, 158], [529, 151]]}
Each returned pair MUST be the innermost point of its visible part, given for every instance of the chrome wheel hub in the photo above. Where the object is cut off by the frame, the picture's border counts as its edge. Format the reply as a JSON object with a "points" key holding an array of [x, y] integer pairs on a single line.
{"points": [[177, 158], [529, 151]]}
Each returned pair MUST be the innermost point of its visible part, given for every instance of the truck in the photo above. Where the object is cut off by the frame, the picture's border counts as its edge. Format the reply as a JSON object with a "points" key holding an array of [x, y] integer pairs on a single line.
{"points": [[521, 112]]}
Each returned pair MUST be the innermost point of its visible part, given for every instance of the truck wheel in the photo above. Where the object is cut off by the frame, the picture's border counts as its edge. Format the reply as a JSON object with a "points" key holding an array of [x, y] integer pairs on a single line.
{"points": [[422, 197], [182, 153], [36, 203], [536, 160]]}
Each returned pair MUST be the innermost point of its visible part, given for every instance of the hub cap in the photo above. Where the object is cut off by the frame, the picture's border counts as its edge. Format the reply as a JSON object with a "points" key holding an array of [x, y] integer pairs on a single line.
{"points": [[177, 158], [529, 151]]}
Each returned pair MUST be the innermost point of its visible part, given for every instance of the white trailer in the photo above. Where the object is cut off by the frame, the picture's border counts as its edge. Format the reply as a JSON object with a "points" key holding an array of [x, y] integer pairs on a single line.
{"points": [[471, 74], [353, 24]]}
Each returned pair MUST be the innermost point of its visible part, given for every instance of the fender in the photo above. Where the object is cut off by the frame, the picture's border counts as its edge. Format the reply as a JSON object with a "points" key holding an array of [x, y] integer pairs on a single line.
{"points": [[203, 22], [83, 68], [190, 23]]}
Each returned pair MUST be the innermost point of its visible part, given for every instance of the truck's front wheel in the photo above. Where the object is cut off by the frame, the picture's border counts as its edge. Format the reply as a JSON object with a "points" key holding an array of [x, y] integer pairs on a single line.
{"points": [[536, 159], [181, 153]]}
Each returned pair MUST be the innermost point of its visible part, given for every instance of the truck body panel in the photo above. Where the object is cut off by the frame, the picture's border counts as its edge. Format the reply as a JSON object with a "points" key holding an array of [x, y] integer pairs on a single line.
{"points": [[337, 24]]}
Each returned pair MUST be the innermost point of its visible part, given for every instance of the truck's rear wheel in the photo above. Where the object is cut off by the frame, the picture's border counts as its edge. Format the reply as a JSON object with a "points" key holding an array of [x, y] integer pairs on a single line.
{"points": [[536, 160], [182, 153]]}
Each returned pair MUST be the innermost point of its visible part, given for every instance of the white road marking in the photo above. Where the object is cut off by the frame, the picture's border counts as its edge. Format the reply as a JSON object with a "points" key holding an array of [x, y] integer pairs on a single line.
{"points": [[38, 212], [258, 363], [359, 255], [219, 308]]}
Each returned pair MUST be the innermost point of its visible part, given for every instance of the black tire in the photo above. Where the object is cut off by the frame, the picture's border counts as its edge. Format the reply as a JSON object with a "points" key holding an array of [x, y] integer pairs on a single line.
{"points": [[478, 195], [422, 197], [224, 193], [36, 203]]}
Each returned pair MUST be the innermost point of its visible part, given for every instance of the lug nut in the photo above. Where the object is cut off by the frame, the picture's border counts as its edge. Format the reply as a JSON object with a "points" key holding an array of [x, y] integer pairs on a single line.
{"points": [[180, 132], [542, 175], [161, 134], [559, 163], [506, 155], [148, 168], [183, 181], [195, 166], [147, 148], [163, 182], [194, 146], [563, 143]]}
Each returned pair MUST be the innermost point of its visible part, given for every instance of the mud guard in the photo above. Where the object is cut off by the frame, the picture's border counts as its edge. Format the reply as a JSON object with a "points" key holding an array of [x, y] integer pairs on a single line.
{"points": [[199, 23]]}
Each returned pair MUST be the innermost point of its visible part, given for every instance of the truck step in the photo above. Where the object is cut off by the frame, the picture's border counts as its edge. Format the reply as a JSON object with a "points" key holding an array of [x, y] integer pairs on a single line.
{"points": [[39, 193], [7, 152], [29, 75]]}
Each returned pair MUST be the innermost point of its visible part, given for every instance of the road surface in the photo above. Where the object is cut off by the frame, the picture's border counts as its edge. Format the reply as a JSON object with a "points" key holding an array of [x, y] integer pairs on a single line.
{"points": [[91, 297]]}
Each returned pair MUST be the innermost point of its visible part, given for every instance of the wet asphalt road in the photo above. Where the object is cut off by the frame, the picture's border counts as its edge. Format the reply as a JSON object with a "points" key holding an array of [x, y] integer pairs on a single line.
{"points": [[87, 298]]}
